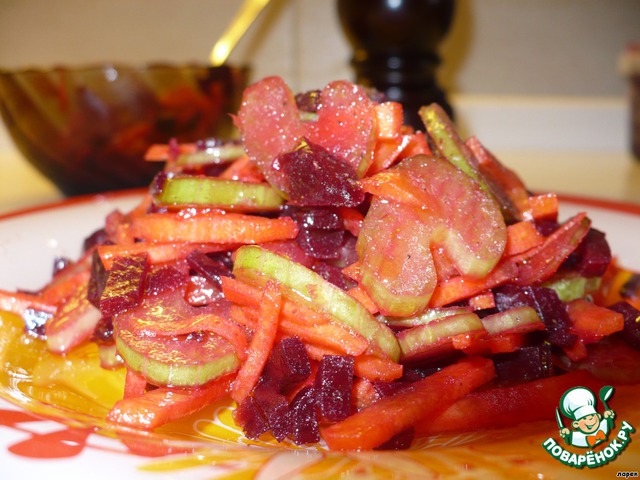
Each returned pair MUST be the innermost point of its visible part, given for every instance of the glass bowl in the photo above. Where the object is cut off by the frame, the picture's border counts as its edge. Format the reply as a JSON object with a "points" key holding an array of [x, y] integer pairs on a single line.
{"points": [[87, 128]]}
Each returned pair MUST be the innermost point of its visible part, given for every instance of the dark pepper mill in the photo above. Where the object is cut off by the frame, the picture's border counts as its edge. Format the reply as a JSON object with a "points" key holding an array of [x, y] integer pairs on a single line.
{"points": [[395, 48]]}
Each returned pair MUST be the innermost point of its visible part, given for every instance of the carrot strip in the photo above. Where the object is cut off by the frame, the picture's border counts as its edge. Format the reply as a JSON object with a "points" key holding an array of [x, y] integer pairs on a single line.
{"points": [[390, 118], [157, 252], [393, 185], [19, 302], [212, 227], [522, 236], [391, 415], [482, 300], [377, 369], [544, 206], [166, 404], [330, 335], [243, 316], [352, 219], [135, 384], [461, 287], [261, 343], [506, 406], [353, 271], [363, 393], [65, 282], [239, 292], [592, 322], [244, 170], [160, 152], [359, 293]]}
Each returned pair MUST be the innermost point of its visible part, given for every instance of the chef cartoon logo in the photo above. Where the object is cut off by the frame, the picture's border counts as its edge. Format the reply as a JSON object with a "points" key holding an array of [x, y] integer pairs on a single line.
{"points": [[581, 425]]}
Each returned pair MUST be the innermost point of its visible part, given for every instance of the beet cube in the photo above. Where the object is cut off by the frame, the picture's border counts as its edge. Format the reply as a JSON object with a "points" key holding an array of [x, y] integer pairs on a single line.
{"points": [[251, 418], [319, 219], [275, 409], [524, 365], [287, 365], [125, 284], [317, 178], [303, 417], [209, 268], [321, 244], [631, 331], [165, 278], [333, 384], [593, 255], [546, 303], [334, 275], [97, 280]]}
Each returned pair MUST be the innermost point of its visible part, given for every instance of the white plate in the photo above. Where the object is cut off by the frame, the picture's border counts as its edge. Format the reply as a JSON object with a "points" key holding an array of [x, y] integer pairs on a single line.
{"points": [[30, 241]]}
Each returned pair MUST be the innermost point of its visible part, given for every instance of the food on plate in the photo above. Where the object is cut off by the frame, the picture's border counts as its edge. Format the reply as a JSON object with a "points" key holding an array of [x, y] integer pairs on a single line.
{"points": [[342, 278]]}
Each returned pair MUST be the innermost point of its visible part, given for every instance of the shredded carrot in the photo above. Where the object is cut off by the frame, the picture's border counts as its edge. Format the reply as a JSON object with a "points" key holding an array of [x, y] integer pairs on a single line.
{"points": [[521, 236], [135, 384], [213, 227], [157, 252], [544, 206], [19, 302], [375, 368], [359, 293], [261, 343]]}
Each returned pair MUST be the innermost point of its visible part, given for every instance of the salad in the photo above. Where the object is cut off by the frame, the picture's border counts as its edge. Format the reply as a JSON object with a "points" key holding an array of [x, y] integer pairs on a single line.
{"points": [[344, 279]]}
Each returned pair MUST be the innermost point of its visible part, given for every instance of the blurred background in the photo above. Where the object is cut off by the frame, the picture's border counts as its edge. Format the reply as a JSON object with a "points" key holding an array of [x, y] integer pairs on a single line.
{"points": [[528, 47], [525, 76]]}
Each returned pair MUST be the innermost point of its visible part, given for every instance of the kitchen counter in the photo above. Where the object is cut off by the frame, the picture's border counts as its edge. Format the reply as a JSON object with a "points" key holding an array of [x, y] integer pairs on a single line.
{"points": [[569, 146]]}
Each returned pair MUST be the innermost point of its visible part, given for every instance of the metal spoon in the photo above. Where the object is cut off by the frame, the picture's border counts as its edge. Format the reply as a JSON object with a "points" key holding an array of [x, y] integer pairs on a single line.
{"points": [[246, 15]]}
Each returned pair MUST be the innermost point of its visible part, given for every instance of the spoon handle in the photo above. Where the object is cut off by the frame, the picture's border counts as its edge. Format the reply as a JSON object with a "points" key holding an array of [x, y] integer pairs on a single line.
{"points": [[243, 19]]}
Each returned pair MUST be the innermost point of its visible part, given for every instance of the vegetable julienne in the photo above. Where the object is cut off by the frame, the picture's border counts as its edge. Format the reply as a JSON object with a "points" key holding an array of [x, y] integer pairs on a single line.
{"points": [[342, 278]]}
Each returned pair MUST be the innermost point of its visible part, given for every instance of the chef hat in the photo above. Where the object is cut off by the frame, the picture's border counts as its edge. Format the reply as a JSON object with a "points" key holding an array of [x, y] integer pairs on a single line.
{"points": [[578, 402]]}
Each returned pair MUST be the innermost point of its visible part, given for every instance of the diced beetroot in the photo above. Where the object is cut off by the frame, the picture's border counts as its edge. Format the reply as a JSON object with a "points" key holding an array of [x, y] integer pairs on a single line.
{"points": [[333, 274], [97, 280], [546, 303], [98, 237], [275, 409], [593, 255], [333, 384], [384, 389], [166, 277], [201, 291], [207, 267], [288, 365], [308, 101], [321, 244], [103, 332], [125, 284], [303, 417], [547, 227], [316, 178], [348, 254], [318, 218], [526, 364], [631, 332], [251, 418]]}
